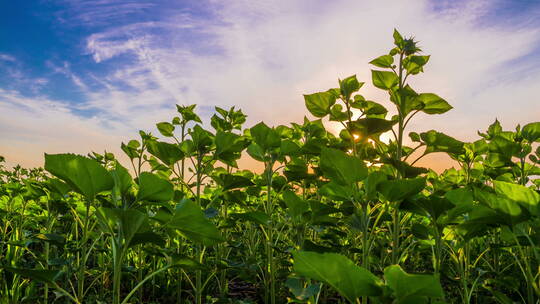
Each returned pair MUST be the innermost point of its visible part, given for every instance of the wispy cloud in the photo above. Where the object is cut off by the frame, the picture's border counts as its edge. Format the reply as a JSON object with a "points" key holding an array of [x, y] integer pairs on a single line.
{"points": [[65, 70], [262, 56], [6, 57]]}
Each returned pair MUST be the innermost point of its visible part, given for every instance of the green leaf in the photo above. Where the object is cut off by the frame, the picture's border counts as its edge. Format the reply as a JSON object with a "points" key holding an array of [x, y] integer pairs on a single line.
{"points": [[256, 152], [122, 179], [433, 104], [190, 221], [84, 175], [526, 197], [296, 206], [342, 168], [505, 147], [337, 113], [131, 149], [336, 191], [319, 104], [433, 205], [289, 147], [414, 64], [400, 189], [201, 138], [384, 61], [348, 279], [264, 136], [228, 147], [409, 286], [369, 126], [440, 142], [398, 39], [59, 186], [147, 237], [233, 181], [296, 286], [463, 199], [40, 275], [166, 129], [168, 153], [153, 188], [371, 183], [349, 85], [256, 217], [186, 262], [531, 132], [188, 113], [384, 80], [372, 108], [124, 223]]}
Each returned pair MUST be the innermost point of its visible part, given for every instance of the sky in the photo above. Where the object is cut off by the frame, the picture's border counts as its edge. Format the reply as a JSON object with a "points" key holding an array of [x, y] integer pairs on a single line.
{"points": [[80, 76]]}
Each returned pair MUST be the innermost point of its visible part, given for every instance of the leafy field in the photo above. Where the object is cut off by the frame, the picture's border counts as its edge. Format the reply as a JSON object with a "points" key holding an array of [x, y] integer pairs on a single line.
{"points": [[331, 218]]}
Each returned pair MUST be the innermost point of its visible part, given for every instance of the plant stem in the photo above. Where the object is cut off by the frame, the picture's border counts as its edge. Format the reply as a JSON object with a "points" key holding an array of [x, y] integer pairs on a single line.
{"points": [[270, 236]]}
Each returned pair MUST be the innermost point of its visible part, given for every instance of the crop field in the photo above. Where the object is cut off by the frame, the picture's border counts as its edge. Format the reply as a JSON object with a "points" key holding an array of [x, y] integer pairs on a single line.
{"points": [[331, 218]]}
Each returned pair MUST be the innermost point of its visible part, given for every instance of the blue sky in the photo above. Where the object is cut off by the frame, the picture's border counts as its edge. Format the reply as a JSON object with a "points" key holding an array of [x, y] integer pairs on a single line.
{"points": [[83, 76]]}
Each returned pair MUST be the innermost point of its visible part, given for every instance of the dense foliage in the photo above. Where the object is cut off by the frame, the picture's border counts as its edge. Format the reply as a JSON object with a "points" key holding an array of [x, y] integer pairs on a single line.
{"points": [[331, 218]]}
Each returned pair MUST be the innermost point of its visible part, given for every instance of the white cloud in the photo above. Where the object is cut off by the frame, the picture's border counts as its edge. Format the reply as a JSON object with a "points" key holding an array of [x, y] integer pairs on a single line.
{"points": [[6, 57], [262, 56]]}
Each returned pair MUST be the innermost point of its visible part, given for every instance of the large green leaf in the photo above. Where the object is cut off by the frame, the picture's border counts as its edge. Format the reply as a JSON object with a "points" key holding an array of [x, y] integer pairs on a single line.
{"points": [[463, 199], [153, 188], [256, 152], [440, 142], [370, 125], [201, 138], [40, 275], [190, 221], [433, 104], [264, 136], [414, 64], [336, 191], [256, 217], [166, 129], [508, 212], [383, 79], [123, 222], [432, 205], [524, 196], [232, 181], [168, 153], [228, 147], [342, 168], [531, 132], [295, 205], [350, 280], [349, 85], [384, 61], [122, 179], [319, 104], [412, 288], [372, 181], [83, 174], [400, 189]]}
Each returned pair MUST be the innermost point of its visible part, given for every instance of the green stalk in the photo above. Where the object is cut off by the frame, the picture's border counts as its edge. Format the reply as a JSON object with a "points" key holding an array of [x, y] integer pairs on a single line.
{"points": [[270, 236], [365, 242], [396, 217], [198, 273], [148, 277], [82, 263], [395, 236], [438, 250], [117, 273]]}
